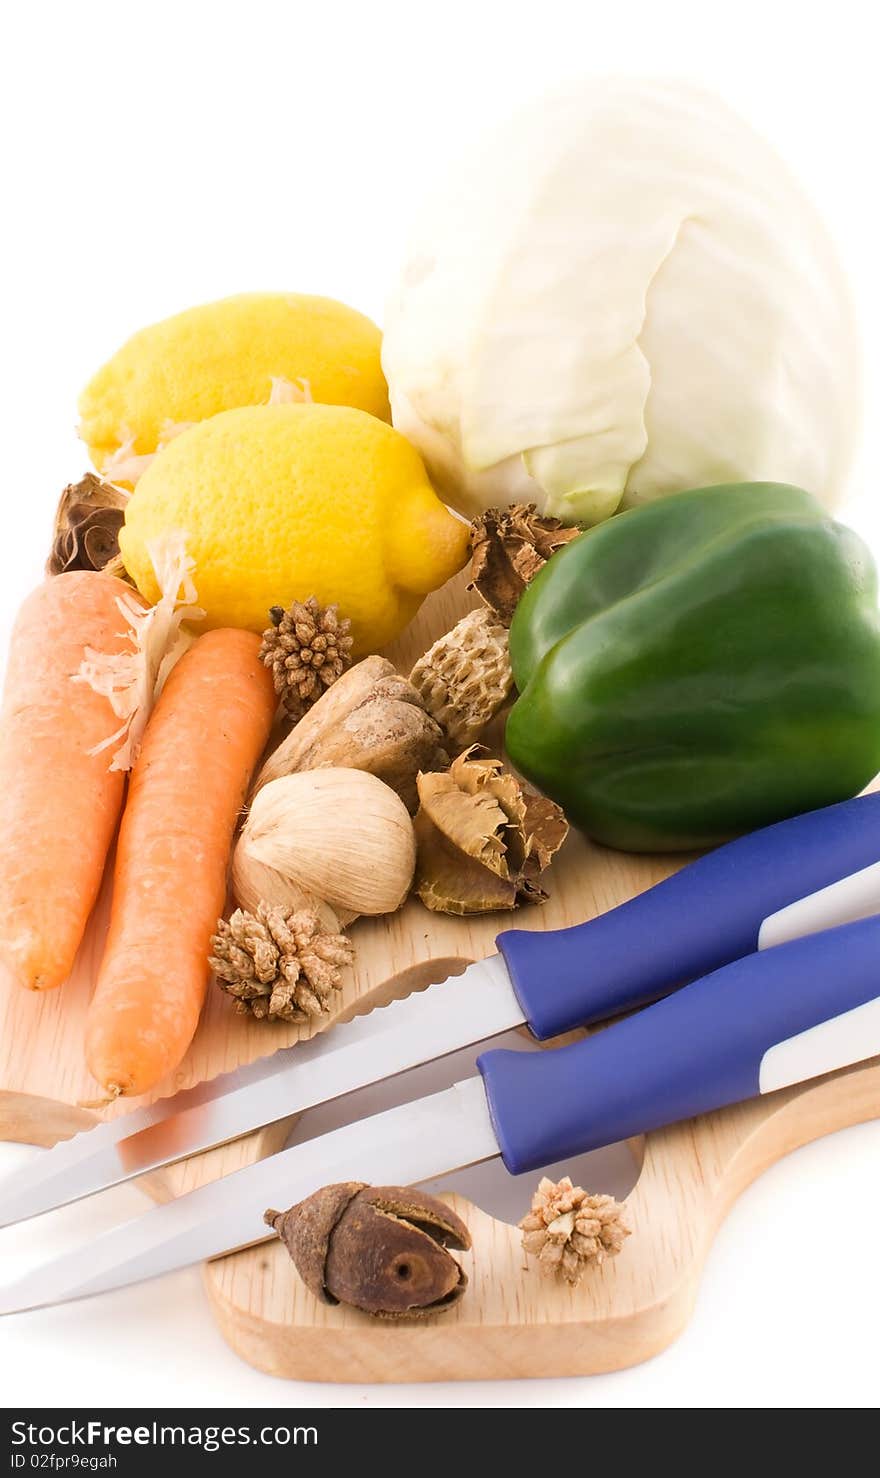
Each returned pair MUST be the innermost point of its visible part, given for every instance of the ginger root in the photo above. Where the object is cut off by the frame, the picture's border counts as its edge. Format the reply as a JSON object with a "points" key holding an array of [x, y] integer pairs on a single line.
{"points": [[370, 719]]}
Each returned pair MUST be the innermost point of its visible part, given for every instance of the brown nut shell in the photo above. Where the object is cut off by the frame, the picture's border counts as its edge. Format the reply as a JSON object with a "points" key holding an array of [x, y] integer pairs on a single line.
{"points": [[306, 1228], [380, 1249]]}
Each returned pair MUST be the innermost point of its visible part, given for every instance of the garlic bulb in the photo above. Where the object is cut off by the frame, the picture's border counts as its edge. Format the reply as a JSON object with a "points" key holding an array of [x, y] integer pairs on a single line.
{"points": [[334, 836], [254, 883]]}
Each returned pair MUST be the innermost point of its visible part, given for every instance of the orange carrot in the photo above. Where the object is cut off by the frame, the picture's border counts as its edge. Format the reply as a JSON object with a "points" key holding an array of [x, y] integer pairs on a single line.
{"points": [[59, 803], [202, 741]]}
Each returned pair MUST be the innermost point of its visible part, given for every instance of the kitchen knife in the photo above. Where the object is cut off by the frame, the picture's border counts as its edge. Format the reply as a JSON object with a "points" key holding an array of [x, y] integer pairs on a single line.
{"points": [[765, 1021], [787, 880]]}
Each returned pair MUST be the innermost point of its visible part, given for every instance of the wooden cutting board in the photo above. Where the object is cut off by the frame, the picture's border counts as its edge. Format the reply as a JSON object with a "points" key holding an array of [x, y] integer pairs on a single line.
{"points": [[512, 1322]]}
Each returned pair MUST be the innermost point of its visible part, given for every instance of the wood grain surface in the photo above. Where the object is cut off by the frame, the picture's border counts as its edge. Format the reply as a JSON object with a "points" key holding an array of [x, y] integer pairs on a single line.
{"points": [[512, 1321]]}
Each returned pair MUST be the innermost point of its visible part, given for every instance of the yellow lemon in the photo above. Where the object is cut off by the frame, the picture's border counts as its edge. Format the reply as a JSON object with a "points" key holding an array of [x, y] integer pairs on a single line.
{"points": [[227, 354], [280, 502]]}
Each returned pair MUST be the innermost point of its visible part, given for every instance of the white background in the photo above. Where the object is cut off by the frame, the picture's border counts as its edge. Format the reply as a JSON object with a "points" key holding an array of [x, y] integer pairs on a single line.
{"points": [[157, 155]]}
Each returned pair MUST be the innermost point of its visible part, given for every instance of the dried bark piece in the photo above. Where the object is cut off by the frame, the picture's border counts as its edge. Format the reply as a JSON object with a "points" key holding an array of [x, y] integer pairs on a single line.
{"points": [[568, 1230], [306, 649], [508, 548], [88, 518], [370, 719], [483, 840], [464, 679], [380, 1249], [277, 965]]}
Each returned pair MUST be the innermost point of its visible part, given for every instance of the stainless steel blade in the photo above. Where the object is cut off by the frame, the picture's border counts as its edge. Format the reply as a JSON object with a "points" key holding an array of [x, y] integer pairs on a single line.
{"points": [[456, 1013], [402, 1146]]}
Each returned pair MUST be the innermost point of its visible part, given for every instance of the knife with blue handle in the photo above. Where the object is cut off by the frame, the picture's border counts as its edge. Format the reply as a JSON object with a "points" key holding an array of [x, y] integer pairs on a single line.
{"points": [[773, 1018], [761, 1023], [725, 905], [785, 881]]}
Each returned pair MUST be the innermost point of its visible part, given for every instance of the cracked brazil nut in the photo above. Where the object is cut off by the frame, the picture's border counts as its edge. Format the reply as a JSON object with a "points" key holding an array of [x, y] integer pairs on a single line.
{"points": [[381, 1249]]}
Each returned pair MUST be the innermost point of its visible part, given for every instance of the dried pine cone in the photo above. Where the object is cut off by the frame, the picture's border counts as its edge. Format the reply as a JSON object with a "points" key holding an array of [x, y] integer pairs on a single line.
{"points": [[306, 649], [508, 548], [567, 1230], [465, 677], [278, 965]]}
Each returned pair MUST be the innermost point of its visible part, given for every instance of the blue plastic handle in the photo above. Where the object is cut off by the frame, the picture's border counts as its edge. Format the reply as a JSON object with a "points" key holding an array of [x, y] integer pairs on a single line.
{"points": [[702, 917], [695, 1051]]}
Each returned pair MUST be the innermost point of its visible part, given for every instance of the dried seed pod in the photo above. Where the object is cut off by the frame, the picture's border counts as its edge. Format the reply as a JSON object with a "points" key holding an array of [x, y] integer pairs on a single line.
{"points": [[569, 1230], [483, 840], [508, 548], [89, 516], [465, 677], [307, 648], [380, 1249], [279, 966], [370, 719]]}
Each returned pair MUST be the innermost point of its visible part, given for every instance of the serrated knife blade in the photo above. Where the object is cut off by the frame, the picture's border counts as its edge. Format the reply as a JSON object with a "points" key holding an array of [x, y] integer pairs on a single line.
{"points": [[792, 879], [455, 1013], [414, 1142], [771, 1019]]}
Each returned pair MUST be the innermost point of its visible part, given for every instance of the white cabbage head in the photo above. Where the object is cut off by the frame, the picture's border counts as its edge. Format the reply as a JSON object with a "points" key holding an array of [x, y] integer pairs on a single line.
{"points": [[621, 294]]}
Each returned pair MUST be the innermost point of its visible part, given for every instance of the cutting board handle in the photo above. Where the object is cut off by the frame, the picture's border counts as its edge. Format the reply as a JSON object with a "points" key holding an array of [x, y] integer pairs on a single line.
{"points": [[515, 1323]]}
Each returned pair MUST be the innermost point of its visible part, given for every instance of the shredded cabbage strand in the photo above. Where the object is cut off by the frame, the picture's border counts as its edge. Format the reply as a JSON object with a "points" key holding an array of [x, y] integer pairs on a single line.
{"points": [[290, 392], [128, 465], [132, 681]]}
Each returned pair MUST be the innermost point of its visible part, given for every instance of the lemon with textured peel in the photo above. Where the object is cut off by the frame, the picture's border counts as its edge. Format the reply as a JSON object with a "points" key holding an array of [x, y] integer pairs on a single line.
{"points": [[221, 355], [280, 502]]}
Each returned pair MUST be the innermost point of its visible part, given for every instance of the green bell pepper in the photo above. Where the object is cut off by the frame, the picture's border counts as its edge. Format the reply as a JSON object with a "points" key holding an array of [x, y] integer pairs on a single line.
{"points": [[699, 667]]}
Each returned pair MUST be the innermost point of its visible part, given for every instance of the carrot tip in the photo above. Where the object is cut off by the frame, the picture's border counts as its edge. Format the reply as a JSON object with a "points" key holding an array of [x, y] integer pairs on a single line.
{"points": [[113, 1092]]}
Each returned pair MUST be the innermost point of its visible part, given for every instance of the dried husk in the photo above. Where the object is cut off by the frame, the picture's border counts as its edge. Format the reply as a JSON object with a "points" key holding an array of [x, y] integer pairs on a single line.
{"points": [[371, 719], [380, 1249], [545, 827], [465, 679], [88, 518], [508, 548], [483, 840], [337, 836]]}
